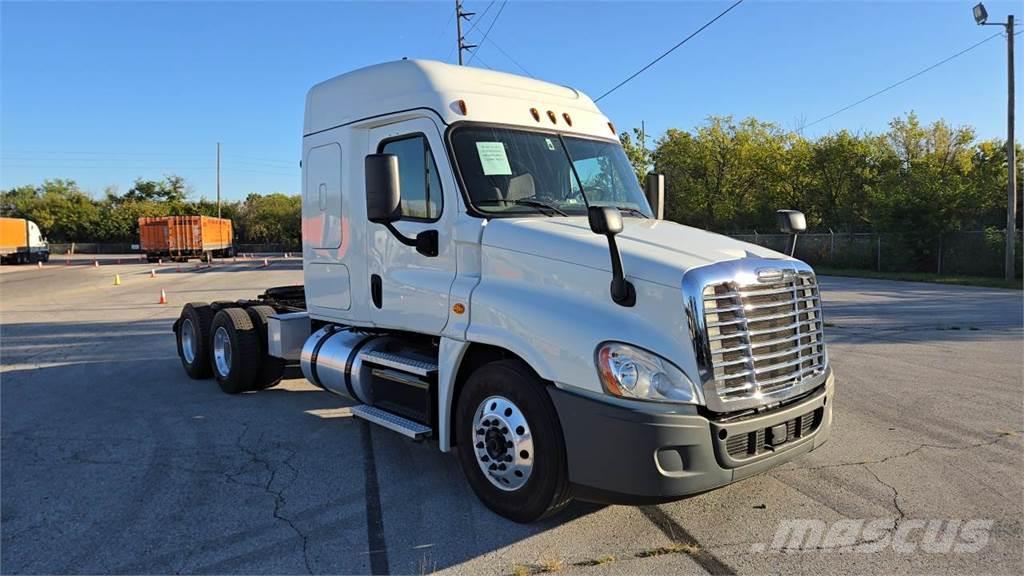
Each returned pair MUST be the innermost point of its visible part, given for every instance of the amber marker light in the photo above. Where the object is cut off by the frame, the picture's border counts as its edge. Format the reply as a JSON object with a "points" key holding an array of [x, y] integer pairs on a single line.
{"points": [[458, 308], [462, 106], [552, 117], [567, 118], [535, 113]]}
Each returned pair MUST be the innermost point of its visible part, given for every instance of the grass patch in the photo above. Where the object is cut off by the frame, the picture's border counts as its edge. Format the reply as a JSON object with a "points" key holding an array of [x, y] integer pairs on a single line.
{"points": [[606, 559], [674, 548], [520, 570], [922, 277]]}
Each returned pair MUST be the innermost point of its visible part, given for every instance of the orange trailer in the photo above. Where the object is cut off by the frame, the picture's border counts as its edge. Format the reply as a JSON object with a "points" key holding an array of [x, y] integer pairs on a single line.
{"points": [[184, 237]]}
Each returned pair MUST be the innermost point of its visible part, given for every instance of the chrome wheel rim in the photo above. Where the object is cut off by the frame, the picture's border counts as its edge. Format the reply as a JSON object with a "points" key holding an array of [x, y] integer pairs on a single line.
{"points": [[188, 341], [502, 443], [222, 352]]}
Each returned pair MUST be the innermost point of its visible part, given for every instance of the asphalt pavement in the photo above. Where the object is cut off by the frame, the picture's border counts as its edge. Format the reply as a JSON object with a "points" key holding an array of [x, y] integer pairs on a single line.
{"points": [[113, 461]]}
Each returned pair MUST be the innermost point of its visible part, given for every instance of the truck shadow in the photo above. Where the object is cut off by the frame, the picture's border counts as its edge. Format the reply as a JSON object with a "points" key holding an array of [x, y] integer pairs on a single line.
{"points": [[145, 470]]}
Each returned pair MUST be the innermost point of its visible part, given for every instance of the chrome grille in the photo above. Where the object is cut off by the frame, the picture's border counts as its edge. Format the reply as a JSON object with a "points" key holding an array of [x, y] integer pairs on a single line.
{"points": [[763, 337]]}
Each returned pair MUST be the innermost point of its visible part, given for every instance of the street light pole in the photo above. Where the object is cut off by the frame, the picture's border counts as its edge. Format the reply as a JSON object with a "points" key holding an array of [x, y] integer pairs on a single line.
{"points": [[981, 17], [1011, 159]]}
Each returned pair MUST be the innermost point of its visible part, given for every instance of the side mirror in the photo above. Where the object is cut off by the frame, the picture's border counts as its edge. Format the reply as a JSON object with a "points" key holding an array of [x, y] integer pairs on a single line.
{"points": [[384, 202], [383, 192], [654, 189], [607, 221], [791, 222], [604, 220]]}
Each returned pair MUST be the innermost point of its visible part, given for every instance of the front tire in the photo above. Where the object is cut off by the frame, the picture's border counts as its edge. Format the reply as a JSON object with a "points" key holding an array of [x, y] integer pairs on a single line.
{"points": [[234, 350], [510, 443]]}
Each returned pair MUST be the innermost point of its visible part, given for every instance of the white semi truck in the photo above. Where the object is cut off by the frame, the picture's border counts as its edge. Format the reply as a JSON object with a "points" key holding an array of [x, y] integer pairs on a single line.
{"points": [[482, 268]]}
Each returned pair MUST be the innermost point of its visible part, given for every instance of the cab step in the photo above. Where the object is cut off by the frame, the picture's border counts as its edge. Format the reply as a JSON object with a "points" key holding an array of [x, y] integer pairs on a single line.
{"points": [[392, 421], [417, 364]]}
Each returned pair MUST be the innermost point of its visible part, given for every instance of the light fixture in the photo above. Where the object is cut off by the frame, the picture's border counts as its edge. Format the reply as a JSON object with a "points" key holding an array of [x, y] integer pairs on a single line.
{"points": [[980, 14]]}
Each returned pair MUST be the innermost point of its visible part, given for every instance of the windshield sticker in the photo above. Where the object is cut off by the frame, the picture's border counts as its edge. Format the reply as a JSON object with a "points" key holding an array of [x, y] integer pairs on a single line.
{"points": [[551, 145], [493, 158]]}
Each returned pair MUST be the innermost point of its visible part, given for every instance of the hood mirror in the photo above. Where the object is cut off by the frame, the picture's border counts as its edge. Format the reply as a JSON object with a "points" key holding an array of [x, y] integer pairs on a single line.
{"points": [[607, 221], [791, 222]]}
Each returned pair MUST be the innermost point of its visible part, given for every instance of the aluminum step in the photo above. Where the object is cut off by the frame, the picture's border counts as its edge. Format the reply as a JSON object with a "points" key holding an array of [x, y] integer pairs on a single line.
{"points": [[392, 421], [413, 365]]}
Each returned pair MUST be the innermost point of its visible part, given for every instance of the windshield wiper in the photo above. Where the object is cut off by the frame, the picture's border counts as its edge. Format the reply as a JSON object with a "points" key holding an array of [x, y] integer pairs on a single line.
{"points": [[633, 211], [532, 202]]}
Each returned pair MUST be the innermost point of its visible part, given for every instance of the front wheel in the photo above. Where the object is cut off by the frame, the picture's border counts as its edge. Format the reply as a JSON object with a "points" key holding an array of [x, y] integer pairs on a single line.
{"points": [[510, 443]]}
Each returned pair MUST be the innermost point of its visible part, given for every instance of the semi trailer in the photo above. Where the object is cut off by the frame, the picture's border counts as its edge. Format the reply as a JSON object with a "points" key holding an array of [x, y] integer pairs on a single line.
{"points": [[181, 238], [21, 242], [483, 271]]}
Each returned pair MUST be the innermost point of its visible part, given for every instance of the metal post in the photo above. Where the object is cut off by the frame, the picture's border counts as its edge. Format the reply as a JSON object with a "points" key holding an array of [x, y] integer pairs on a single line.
{"points": [[878, 253], [1011, 160]]}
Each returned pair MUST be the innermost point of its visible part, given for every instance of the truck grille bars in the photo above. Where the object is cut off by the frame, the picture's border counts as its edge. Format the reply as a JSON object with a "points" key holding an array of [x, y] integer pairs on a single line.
{"points": [[758, 333]]}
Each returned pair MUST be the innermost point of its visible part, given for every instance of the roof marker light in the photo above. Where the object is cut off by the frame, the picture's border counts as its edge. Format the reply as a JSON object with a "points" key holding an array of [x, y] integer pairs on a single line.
{"points": [[567, 118], [462, 106], [535, 114], [611, 127], [552, 117]]}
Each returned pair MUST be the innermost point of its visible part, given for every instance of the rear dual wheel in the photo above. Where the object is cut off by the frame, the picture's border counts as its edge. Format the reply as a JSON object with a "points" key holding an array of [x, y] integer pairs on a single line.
{"points": [[234, 350]]}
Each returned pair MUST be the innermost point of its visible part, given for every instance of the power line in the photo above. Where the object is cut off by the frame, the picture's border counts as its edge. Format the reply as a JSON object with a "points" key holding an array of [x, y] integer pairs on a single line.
{"points": [[513, 60], [670, 50], [904, 81], [488, 31]]}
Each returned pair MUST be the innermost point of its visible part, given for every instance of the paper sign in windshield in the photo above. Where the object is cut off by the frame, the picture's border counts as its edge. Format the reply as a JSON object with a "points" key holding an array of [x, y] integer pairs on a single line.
{"points": [[493, 158]]}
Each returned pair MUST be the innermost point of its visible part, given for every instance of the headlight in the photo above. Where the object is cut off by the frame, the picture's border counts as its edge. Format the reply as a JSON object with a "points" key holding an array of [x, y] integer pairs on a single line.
{"points": [[629, 372]]}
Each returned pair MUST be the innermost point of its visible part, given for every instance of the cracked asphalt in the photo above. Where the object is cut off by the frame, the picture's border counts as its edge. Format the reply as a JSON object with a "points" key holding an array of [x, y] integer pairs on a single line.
{"points": [[113, 461]]}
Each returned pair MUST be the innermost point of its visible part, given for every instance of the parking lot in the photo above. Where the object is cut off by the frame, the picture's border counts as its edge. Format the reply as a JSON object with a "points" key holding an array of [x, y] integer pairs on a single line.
{"points": [[113, 461]]}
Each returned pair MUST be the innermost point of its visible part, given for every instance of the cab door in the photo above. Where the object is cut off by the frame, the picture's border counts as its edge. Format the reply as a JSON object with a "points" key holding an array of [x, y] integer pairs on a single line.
{"points": [[410, 290]]}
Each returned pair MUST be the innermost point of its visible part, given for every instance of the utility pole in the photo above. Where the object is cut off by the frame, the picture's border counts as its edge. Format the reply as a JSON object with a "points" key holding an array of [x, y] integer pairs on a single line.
{"points": [[218, 179], [1011, 159], [1010, 265], [459, 15]]}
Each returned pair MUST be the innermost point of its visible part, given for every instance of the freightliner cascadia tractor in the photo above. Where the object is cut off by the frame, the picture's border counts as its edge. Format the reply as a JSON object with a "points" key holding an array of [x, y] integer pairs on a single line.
{"points": [[483, 270]]}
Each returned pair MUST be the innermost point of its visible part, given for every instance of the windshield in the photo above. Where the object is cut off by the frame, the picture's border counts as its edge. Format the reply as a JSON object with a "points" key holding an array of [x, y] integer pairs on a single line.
{"points": [[515, 172]]}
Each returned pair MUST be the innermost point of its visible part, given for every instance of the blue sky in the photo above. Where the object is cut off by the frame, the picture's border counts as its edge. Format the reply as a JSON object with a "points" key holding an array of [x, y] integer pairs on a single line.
{"points": [[103, 93]]}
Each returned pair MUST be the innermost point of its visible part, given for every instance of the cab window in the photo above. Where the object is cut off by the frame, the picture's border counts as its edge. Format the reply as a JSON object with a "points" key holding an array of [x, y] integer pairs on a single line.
{"points": [[417, 174]]}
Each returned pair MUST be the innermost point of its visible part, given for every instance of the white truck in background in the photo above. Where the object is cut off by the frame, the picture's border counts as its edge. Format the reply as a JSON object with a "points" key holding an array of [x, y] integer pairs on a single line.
{"points": [[482, 268], [21, 242]]}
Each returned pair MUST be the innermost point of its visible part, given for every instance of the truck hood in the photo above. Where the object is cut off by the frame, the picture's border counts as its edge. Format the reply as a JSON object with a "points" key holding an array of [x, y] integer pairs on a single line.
{"points": [[653, 250]]}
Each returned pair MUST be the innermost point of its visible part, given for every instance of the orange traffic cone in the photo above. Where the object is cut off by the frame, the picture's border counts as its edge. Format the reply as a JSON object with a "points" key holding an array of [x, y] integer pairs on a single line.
{"points": [[163, 297], [152, 273]]}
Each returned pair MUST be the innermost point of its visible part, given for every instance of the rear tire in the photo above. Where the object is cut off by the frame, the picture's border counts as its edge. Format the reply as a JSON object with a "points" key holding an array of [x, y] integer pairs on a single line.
{"points": [[533, 479], [271, 369], [193, 335], [234, 350]]}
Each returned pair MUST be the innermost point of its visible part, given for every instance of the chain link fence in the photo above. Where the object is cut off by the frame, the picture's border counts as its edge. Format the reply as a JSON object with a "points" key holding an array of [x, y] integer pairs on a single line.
{"points": [[968, 253], [971, 253]]}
